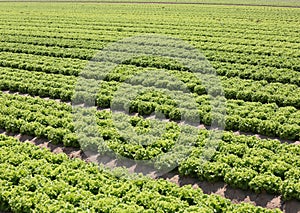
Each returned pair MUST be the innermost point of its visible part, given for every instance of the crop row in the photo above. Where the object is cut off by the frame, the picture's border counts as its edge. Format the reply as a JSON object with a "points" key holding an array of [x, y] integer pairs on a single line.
{"points": [[266, 119], [234, 32], [235, 88], [84, 53], [35, 179], [196, 40], [221, 52], [38, 63], [267, 61], [36, 117], [241, 161], [234, 107], [55, 86], [53, 42], [79, 53], [211, 55], [52, 120], [202, 45], [245, 71], [85, 25]]}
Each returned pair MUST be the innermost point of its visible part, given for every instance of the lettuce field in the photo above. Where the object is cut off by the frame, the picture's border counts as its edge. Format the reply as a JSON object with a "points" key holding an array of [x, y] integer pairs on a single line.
{"points": [[208, 90]]}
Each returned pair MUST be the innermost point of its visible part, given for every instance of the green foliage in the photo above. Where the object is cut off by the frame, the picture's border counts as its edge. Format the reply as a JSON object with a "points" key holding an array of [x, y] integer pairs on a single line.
{"points": [[55, 183]]}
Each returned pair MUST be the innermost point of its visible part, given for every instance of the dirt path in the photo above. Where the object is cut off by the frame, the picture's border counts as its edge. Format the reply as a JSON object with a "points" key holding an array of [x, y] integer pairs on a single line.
{"points": [[219, 188], [237, 195]]}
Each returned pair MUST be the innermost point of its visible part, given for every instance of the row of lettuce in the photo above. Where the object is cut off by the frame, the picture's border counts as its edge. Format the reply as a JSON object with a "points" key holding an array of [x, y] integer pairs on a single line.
{"points": [[241, 161], [224, 66], [85, 49], [248, 116], [13, 43], [219, 41], [283, 94], [264, 38], [237, 34], [225, 53], [265, 119], [234, 87], [36, 180]]}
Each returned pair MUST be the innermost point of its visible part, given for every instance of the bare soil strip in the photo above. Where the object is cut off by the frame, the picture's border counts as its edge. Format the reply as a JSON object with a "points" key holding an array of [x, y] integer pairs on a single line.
{"points": [[220, 188]]}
